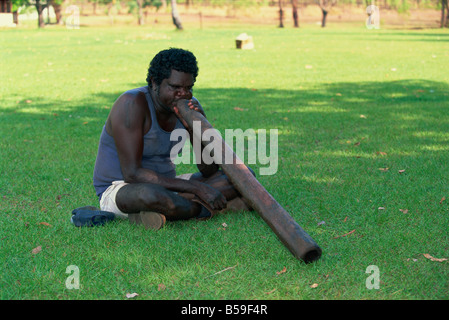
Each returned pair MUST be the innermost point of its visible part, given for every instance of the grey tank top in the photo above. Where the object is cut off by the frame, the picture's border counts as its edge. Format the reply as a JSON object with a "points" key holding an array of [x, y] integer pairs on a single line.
{"points": [[156, 152]]}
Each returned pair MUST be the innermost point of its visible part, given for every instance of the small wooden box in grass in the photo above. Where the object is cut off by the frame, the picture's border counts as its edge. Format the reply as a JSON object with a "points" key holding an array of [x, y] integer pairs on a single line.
{"points": [[244, 41]]}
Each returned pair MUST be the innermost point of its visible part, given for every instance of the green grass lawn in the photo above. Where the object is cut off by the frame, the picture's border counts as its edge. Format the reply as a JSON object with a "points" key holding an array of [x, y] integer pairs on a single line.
{"points": [[362, 117]]}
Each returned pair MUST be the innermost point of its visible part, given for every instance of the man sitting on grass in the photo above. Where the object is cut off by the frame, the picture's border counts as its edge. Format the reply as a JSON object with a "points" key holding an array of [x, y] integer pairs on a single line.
{"points": [[134, 176]]}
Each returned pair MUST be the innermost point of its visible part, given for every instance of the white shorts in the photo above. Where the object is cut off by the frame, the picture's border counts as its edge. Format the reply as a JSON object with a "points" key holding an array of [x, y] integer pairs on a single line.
{"points": [[107, 202]]}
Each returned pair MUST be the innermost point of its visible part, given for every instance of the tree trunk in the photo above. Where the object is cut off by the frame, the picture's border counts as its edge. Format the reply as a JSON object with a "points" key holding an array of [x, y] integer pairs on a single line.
{"points": [[140, 19], [15, 18], [40, 9], [295, 13], [446, 24], [281, 15], [58, 12], [110, 14], [323, 20], [175, 15], [48, 11], [443, 16]]}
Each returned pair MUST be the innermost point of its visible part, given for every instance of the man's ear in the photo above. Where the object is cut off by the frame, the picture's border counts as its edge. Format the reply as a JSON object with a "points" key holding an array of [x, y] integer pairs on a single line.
{"points": [[155, 86], [153, 83]]}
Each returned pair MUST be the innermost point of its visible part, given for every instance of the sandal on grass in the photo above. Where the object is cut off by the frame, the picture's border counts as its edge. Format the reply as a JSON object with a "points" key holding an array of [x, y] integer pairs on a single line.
{"points": [[89, 216], [150, 220]]}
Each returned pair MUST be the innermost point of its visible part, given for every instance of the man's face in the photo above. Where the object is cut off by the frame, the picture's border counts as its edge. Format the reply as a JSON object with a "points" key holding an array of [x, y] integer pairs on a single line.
{"points": [[178, 86]]}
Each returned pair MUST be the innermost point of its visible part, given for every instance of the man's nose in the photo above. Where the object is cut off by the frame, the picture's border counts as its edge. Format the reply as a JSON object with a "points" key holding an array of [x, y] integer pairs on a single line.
{"points": [[184, 93]]}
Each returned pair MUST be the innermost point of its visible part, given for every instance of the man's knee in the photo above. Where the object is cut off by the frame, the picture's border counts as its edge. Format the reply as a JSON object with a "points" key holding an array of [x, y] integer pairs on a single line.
{"points": [[154, 196]]}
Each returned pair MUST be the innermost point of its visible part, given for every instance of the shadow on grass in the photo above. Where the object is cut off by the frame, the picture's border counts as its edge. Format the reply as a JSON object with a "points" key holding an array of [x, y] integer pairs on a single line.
{"points": [[303, 116], [408, 35], [266, 105], [48, 139], [308, 115]]}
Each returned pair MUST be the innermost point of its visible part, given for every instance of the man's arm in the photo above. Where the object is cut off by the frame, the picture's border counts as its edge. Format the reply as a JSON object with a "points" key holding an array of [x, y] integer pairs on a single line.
{"points": [[127, 125]]}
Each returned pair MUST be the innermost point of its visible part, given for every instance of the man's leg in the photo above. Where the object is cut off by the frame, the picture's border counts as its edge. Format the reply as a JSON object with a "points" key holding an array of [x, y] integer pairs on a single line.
{"points": [[220, 182], [134, 199], [138, 197]]}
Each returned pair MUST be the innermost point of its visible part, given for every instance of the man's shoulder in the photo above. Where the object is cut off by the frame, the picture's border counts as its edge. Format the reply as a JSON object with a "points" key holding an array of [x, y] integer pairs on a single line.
{"points": [[133, 97], [135, 91], [131, 107]]}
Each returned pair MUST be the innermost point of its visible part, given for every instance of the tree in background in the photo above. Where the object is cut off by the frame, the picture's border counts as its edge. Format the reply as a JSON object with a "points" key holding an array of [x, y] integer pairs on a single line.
{"points": [[281, 15], [140, 19], [94, 6], [57, 6], [175, 15], [444, 17], [137, 7], [40, 6], [325, 6], [16, 4], [295, 13]]}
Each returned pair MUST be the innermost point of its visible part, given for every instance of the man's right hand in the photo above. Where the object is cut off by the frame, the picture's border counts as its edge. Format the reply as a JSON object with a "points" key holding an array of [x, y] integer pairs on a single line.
{"points": [[181, 104], [211, 196], [192, 104]]}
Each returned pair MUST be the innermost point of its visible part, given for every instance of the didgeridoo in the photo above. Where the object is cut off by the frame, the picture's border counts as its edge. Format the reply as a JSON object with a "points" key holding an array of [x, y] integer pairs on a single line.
{"points": [[289, 232]]}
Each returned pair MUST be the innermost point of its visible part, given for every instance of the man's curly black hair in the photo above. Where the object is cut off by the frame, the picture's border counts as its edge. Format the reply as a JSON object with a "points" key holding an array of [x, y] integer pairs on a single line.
{"points": [[174, 58]]}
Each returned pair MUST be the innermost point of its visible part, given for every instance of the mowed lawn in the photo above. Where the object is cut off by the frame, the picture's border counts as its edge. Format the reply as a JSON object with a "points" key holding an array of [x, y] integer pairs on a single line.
{"points": [[362, 117]]}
